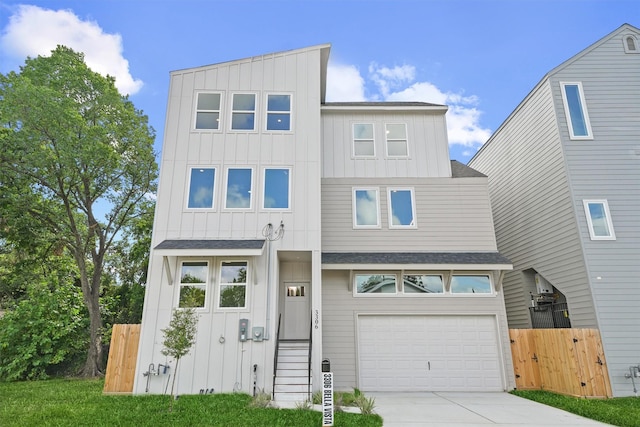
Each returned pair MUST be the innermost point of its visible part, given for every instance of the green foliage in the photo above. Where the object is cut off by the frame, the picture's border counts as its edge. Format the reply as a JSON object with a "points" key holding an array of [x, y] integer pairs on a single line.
{"points": [[179, 337], [232, 296], [81, 403], [262, 399], [192, 296], [44, 333]]}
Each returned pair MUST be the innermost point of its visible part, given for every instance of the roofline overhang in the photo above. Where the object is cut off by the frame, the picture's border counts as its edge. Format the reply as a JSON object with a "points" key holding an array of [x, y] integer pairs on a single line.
{"points": [[208, 252], [383, 107], [447, 267]]}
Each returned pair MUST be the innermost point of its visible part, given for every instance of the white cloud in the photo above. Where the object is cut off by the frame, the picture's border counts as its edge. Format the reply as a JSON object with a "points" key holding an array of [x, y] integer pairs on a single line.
{"points": [[344, 83], [34, 31]]}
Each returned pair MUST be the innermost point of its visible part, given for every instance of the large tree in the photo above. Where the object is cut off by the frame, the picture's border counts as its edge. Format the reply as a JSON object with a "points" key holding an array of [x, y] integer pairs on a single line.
{"points": [[76, 158]]}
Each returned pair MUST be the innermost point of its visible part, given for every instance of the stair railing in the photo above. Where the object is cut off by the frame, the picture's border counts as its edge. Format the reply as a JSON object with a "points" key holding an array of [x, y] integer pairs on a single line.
{"points": [[275, 356], [309, 360]]}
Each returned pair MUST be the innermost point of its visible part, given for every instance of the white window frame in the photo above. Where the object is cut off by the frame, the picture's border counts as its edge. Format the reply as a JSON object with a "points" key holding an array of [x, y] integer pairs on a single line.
{"points": [[583, 106], [414, 223], [423, 294], [221, 284], [374, 294], [363, 140], [590, 225], [634, 40], [226, 189], [492, 291], [355, 210], [188, 189], [264, 187], [219, 111], [207, 284], [267, 112], [254, 112], [387, 140]]}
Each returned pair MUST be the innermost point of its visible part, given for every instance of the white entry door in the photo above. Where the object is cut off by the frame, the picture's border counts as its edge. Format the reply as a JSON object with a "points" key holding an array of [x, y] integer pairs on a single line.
{"points": [[429, 353], [297, 315]]}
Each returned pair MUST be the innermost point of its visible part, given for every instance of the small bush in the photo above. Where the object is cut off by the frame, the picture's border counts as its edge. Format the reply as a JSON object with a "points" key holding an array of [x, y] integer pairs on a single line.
{"points": [[261, 400]]}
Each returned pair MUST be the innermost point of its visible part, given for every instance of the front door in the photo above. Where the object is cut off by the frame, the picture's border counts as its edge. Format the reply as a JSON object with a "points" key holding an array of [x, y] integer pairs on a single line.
{"points": [[297, 316]]}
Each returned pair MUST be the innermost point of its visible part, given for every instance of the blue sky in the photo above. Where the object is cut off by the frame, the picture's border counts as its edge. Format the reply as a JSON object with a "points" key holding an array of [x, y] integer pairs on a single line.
{"points": [[479, 57]]}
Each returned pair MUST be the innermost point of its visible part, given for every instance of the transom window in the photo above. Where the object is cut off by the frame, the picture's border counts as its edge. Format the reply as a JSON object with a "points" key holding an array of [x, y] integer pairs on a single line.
{"points": [[576, 111], [208, 111], [401, 208], [193, 284], [422, 284], [201, 188], [375, 283], [470, 284], [277, 182], [238, 188], [243, 111], [233, 284], [599, 220], [278, 112], [363, 140], [366, 211], [396, 135]]}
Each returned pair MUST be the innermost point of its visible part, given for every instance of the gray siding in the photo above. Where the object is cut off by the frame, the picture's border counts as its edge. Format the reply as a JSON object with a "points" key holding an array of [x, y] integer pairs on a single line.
{"points": [[453, 214], [532, 209], [341, 309]]}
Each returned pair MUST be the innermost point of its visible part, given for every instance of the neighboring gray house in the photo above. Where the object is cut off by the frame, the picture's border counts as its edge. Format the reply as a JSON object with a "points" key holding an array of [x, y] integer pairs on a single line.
{"points": [[302, 230], [564, 178]]}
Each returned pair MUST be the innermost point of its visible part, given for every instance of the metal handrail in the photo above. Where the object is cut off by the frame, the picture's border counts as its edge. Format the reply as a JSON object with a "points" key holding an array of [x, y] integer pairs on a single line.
{"points": [[309, 360], [275, 356]]}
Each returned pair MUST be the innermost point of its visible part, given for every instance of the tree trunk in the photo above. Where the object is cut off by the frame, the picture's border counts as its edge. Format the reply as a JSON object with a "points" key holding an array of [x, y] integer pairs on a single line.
{"points": [[93, 365]]}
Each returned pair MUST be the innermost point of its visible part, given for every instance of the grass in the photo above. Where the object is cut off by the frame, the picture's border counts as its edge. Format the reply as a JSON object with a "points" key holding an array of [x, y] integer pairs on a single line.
{"points": [[81, 403], [621, 411]]}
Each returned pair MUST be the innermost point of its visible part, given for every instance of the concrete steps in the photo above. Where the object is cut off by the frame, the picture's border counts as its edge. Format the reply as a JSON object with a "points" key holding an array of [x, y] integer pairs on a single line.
{"points": [[292, 382]]}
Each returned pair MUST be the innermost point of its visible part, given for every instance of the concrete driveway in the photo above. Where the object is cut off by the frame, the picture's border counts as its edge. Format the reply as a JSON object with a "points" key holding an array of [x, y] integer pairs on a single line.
{"points": [[457, 409]]}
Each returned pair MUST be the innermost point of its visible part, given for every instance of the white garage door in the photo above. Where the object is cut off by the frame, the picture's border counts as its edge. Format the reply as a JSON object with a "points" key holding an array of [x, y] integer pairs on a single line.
{"points": [[428, 353]]}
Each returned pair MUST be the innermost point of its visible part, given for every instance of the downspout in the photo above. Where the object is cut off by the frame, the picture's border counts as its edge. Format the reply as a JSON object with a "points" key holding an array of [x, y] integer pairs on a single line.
{"points": [[268, 318]]}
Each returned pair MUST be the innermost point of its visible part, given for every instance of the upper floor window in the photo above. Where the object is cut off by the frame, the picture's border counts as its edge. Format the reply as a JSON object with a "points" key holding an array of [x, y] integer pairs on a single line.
{"points": [[363, 141], [208, 111], [575, 110], [422, 284], [396, 135], [366, 211], [599, 220], [375, 283], [278, 112], [233, 284], [193, 284], [277, 182], [630, 44], [243, 111], [401, 208], [238, 188], [201, 188], [470, 284]]}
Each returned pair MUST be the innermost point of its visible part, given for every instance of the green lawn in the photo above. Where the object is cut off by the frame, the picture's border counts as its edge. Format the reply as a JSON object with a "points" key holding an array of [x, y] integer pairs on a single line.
{"points": [[81, 403], [622, 411]]}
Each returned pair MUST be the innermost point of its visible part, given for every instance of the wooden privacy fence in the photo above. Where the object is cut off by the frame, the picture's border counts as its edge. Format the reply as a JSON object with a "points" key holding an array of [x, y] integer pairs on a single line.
{"points": [[566, 361], [121, 365]]}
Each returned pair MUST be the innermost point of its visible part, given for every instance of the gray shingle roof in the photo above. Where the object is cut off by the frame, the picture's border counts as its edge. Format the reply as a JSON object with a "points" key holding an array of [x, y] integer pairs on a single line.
{"points": [[211, 244], [382, 104], [413, 258], [458, 170]]}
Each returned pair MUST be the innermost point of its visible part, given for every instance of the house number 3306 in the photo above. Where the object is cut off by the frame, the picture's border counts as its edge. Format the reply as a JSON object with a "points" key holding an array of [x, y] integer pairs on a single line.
{"points": [[316, 319]]}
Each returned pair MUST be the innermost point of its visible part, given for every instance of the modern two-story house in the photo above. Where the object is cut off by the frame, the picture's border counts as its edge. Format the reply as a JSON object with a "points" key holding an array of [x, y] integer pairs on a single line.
{"points": [[564, 178], [303, 231]]}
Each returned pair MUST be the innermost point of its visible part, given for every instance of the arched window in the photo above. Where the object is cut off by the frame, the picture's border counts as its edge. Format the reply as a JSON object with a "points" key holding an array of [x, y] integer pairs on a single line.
{"points": [[630, 44]]}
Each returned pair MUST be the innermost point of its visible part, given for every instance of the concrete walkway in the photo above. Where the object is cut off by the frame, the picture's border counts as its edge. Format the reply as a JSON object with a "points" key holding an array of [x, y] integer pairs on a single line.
{"points": [[454, 409]]}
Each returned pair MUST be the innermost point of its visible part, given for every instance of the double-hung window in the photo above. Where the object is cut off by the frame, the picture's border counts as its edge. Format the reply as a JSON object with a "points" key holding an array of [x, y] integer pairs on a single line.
{"points": [[201, 188], [575, 109], [366, 209], [402, 212], [396, 136], [599, 220], [277, 184], [363, 140], [239, 181], [243, 111], [208, 111], [278, 112], [233, 284], [193, 284]]}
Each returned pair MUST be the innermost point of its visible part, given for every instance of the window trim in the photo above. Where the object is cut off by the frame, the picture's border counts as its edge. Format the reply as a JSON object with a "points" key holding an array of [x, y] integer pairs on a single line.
{"points": [[219, 111], [584, 111], [254, 112], [267, 112], [226, 189], [246, 306], [625, 43], [354, 209], [264, 187], [590, 225], [188, 190], [414, 223], [207, 285], [492, 290], [357, 294], [354, 140], [387, 140]]}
